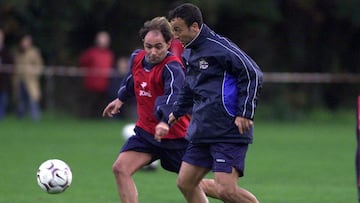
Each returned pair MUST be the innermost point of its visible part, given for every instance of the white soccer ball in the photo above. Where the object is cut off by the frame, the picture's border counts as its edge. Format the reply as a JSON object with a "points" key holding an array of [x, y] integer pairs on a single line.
{"points": [[54, 176], [128, 130]]}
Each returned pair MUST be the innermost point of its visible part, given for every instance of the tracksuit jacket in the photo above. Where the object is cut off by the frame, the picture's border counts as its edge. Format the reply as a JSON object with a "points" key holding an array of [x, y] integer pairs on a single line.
{"points": [[222, 82]]}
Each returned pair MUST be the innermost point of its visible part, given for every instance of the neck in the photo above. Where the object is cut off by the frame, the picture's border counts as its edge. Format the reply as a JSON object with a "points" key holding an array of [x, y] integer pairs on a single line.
{"points": [[196, 36]]}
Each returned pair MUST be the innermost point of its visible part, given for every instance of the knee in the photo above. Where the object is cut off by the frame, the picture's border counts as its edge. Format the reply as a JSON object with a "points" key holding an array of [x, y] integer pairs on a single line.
{"points": [[183, 185], [225, 193], [232, 194], [207, 185], [115, 169], [118, 170], [180, 183]]}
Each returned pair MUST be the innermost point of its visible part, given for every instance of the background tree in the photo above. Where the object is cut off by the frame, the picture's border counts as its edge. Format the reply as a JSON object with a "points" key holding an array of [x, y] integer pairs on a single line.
{"points": [[282, 35]]}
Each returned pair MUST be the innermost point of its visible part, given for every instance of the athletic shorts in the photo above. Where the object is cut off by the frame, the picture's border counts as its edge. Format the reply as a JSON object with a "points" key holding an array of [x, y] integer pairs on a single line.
{"points": [[170, 159], [218, 157]]}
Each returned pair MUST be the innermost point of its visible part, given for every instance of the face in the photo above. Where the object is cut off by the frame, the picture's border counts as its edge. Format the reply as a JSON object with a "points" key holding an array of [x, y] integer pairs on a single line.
{"points": [[26, 42], [182, 32], [122, 65], [103, 39], [155, 46]]}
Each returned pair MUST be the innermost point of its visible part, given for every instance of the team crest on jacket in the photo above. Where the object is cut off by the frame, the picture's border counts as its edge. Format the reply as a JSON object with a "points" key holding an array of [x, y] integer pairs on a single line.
{"points": [[143, 92], [203, 64]]}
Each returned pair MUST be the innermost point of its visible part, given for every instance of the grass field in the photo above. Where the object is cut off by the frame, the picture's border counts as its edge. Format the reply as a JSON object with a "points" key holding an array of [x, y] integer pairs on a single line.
{"points": [[290, 162]]}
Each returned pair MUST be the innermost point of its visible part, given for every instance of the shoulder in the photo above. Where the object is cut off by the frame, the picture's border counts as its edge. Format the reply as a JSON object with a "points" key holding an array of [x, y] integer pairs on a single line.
{"points": [[109, 52], [218, 40], [173, 69], [135, 53], [135, 56], [35, 50], [174, 65], [87, 52], [173, 61]]}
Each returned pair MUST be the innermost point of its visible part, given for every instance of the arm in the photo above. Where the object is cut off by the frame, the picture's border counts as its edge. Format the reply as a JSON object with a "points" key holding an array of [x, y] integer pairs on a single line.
{"points": [[125, 91], [112, 108], [84, 59], [185, 101], [249, 83], [37, 64], [173, 79], [183, 105]]}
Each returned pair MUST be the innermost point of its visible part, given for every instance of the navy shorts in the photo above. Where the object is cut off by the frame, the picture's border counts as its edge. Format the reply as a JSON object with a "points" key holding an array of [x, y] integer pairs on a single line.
{"points": [[218, 157], [170, 159]]}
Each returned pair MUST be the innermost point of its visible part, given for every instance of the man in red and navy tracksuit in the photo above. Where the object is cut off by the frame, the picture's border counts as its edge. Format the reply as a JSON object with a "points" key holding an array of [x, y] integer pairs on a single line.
{"points": [[155, 79]]}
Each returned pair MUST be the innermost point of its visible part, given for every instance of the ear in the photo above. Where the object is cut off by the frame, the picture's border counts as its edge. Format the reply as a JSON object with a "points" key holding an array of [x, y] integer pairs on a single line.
{"points": [[168, 44], [195, 26]]}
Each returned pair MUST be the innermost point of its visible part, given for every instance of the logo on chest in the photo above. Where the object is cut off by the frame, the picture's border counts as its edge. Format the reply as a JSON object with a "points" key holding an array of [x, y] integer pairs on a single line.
{"points": [[144, 91], [203, 65]]}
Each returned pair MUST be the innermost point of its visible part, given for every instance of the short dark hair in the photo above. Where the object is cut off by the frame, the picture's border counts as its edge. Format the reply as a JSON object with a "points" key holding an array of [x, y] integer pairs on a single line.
{"points": [[188, 12], [157, 23]]}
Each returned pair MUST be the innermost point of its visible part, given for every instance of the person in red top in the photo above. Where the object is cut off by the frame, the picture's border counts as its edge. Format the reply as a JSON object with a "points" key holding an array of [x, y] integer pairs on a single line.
{"points": [[176, 47], [155, 79], [97, 62]]}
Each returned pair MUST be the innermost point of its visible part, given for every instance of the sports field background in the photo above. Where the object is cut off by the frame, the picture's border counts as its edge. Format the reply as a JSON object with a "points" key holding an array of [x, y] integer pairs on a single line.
{"points": [[308, 161]]}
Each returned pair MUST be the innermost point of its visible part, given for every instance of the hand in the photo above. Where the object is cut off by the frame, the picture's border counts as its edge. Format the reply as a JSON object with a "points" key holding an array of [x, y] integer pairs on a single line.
{"points": [[161, 130], [172, 119], [112, 108], [243, 124]]}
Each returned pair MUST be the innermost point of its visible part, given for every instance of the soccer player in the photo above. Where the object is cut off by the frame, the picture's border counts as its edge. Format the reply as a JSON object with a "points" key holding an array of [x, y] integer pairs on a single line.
{"points": [[155, 79], [221, 87]]}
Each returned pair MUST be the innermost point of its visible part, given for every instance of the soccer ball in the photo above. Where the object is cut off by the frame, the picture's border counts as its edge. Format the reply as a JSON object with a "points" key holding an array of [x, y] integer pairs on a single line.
{"points": [[54, 176], [128, 130]]}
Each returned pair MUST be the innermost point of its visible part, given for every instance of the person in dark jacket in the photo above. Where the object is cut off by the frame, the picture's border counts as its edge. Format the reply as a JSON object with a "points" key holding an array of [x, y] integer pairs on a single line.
{"points": [[5, 75], [221, 87]]}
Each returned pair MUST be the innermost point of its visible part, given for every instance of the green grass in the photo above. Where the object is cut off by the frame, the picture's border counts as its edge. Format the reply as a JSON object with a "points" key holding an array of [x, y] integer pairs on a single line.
{"points": [[290, 162]]}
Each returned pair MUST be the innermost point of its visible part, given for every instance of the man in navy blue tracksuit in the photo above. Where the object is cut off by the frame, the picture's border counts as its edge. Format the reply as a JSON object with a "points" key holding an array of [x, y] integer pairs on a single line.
{"points": [[221, 88]]}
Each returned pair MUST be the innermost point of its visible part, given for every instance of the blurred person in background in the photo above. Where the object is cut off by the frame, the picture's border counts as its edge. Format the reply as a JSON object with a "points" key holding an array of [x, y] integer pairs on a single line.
{"points": [[28, 66], [98, 62], [5, 81], [177, 48], [121, 70]]}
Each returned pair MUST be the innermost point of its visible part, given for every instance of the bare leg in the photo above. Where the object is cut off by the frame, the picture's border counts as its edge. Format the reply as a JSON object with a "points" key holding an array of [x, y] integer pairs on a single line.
{"points": [[225, 187], [208, 186], [124, 167], [188, 182]]}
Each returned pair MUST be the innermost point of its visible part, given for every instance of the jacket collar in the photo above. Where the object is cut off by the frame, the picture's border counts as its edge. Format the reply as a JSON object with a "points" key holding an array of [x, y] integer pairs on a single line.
{"points": [[199, 38]]}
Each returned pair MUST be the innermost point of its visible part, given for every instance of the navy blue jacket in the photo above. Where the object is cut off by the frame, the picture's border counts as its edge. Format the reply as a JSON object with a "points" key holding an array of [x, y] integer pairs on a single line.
{"points": [[222, 82]]}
